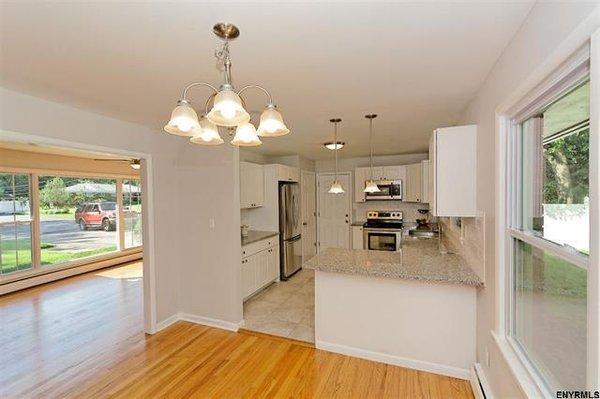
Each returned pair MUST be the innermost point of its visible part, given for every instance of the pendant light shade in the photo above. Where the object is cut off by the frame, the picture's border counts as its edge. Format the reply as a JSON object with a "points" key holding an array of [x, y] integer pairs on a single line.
{"points": [[183, 120], [371, 186], [227, 109], [245, 136], [336, 187], [271, 123], [206, 134]]}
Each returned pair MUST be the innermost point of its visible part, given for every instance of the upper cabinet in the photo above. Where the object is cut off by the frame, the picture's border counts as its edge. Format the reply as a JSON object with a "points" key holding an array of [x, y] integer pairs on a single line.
{"points": [[425, 181], [361, 175], [413, 183], [453, 171], [288, 173], [251, 185], [394, 172]]}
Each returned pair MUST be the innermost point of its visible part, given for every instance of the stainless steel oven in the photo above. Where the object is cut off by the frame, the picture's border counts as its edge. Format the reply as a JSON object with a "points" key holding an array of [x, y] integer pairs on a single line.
{"points": [[383, 231], [382, 239], [388, 190]]}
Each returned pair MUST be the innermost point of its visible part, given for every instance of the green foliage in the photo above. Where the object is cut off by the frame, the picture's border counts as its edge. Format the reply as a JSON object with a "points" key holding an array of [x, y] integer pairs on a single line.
{"points": [[567, 169], [54, 194]]}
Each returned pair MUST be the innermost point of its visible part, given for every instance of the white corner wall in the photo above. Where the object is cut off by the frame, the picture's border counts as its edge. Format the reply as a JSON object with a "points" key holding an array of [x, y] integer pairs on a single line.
{"points": [[196, 267], [551, 31]]}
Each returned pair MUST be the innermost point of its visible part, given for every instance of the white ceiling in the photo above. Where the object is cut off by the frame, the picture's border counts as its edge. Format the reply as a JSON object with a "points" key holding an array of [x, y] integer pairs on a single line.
{"points": [[415, 64]]}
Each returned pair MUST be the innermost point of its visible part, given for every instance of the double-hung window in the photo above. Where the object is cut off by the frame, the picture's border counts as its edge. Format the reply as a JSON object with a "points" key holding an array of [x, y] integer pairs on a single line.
{"points": [[548, 233]]}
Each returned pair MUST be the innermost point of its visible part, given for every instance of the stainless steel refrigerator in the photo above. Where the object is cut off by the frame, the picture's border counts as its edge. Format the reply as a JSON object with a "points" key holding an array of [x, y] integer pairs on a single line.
{"points": [[290, 239]]}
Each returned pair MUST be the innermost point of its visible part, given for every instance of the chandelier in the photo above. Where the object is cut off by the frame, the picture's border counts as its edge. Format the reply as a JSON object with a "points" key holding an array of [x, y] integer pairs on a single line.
{"points": [[228, 107]]}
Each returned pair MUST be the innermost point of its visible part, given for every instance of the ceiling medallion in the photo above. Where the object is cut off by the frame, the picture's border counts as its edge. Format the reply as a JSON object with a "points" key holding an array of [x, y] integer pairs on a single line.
{"points": [[228, 107]]}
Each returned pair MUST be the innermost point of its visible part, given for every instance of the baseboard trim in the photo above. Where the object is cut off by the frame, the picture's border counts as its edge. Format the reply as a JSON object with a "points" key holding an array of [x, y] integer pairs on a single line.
{"points": [[479, 383], [421, 365], [205, 321], [161, 325]]}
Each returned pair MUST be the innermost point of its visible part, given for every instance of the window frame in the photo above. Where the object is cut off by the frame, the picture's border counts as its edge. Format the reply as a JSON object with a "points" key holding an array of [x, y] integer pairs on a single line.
{"points": [[37, 268], [571, 72]]}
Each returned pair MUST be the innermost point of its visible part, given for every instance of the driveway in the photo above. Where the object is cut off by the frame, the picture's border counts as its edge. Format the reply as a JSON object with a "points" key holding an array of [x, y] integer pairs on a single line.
{"points": [[64, 235]]}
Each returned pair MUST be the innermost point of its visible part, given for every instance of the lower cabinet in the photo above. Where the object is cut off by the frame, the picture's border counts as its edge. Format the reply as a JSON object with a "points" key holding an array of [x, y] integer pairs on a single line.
{"points": [[357, 237], [260, 269]]}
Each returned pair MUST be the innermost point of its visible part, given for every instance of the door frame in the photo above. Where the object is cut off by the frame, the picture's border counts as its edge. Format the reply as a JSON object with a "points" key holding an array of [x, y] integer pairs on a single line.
{"points": [[303, 173], [146, 179], [349, 191]]}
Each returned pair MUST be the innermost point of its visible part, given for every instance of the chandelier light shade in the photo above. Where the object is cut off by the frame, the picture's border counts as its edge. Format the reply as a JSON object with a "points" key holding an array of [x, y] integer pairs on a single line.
{"points": [[245, 136], [206, 134], [183, 120], [228, 107], [271, 123], [336, 187], [371, 186]]}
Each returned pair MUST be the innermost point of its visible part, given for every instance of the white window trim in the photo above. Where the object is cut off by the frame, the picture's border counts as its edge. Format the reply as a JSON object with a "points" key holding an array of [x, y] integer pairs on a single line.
{"points": [[567, 72]]}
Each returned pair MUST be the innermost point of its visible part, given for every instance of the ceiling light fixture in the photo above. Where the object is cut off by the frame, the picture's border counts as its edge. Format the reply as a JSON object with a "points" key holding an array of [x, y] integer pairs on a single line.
{"points": [[227, 107], [332, 146], [336, 187], [371, 186], [135, 164]]}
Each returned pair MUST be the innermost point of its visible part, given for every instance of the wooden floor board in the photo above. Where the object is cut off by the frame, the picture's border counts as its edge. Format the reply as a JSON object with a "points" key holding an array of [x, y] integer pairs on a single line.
{"points": [[83, 337]]}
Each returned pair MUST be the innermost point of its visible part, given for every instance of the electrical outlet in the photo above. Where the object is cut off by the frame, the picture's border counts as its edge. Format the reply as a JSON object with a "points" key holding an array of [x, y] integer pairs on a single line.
{"points": [[211, 223], [487, 357]]}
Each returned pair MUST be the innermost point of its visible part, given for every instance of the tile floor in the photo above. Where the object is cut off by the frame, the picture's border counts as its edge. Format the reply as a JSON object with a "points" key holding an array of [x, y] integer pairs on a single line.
{"points": [[286, 308]]}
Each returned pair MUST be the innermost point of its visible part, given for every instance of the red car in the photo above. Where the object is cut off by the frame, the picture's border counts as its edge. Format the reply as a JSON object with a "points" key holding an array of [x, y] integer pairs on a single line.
{"points": [[97, 214]]}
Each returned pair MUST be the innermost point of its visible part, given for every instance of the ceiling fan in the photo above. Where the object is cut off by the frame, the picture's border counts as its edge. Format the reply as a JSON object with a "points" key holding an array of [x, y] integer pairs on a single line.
{"points": [[134, 163]]}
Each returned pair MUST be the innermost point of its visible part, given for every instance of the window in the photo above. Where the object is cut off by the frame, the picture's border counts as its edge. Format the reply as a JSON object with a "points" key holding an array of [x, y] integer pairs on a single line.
{"points": [[132, 212], [15, 223], [549, 241], [78, 218]]}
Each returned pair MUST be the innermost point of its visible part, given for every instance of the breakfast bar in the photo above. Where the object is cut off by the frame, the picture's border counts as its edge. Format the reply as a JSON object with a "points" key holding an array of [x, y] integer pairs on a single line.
{"points": [[414, 308]]}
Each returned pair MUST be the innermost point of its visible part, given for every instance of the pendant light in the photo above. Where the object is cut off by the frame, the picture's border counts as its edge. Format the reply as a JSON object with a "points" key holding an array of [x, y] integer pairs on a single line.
{"points": [[336, 187], [371, 186], [228, 107]]}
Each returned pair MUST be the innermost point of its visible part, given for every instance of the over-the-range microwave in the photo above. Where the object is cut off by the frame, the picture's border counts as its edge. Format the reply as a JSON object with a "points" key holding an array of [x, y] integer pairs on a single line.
{"points": [[388, 190]]}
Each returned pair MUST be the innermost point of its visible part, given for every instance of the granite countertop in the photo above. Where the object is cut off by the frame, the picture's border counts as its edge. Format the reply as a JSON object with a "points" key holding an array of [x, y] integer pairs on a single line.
{"points": [[419, 259], [257, 235]]}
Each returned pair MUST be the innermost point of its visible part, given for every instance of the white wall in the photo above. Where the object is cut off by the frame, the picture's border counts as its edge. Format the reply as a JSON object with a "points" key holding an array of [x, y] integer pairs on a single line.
{"points": [[196, 268], [543, 34]]}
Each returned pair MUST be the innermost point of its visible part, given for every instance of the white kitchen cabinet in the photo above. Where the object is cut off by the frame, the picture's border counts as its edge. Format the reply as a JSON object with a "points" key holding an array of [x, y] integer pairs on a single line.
{"points": [[413, 183], [361, 175], [394, 172], [288, 173], [357, 237], [251, 185], [261, 266], [453, 171], [425, 181]]}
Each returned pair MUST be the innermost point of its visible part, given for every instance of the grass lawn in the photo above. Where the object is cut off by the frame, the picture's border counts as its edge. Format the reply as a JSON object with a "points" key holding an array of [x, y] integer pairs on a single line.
{"points": [[51, 214], [50, 256], [558, 277]]}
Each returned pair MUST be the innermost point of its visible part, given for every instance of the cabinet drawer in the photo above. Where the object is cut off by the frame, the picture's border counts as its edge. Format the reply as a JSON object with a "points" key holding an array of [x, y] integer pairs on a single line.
{"points": [[258, 246]]}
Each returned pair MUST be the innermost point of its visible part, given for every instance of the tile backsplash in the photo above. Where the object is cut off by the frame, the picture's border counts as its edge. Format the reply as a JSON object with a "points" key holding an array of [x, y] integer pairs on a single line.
{"points": [[467, 239], [409, 209]]}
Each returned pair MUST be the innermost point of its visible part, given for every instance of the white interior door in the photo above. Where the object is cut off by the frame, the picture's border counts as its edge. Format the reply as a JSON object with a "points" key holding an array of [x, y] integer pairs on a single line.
{"points": [[308, 187], [333, 212]]}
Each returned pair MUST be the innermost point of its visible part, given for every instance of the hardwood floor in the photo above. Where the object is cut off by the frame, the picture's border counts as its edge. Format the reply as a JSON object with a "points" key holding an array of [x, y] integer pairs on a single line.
{"points": [[82, 337]]}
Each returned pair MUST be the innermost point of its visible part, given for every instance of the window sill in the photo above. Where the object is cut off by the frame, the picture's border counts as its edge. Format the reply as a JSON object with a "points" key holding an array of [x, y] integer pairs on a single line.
{"points": [[48, 269], [530, 384]]}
